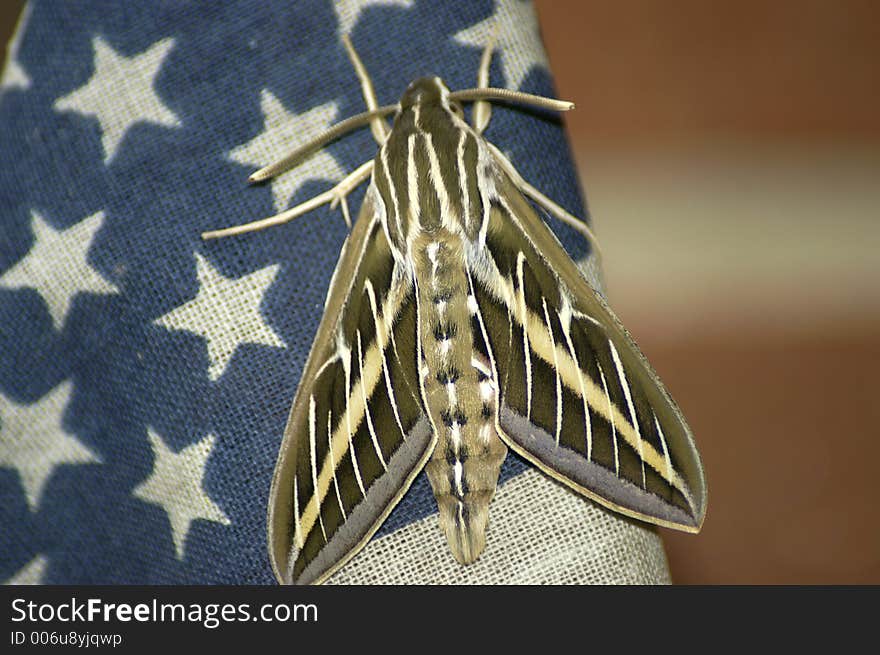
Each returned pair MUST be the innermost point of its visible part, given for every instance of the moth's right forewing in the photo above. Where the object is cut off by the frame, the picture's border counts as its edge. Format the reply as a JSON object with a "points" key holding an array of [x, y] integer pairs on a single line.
{"points": [[356, 435], [578, 398]]}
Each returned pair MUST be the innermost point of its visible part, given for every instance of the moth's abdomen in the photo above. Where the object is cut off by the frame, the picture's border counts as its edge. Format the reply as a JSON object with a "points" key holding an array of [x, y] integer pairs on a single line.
{"points": [[458, 394]]}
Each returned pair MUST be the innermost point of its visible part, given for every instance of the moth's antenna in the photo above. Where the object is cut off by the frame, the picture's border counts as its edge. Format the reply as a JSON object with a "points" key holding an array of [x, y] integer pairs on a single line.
{"points": [[319, 141], [368, 117], [373, 116], [506, 95]]}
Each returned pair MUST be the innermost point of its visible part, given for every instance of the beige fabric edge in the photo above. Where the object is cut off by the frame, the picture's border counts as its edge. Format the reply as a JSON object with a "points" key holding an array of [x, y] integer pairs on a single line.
{"points": [[540, 532]]}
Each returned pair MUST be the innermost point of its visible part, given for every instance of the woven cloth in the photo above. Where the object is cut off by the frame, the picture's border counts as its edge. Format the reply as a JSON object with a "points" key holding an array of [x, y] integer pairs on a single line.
{"points": [[146, 375]]}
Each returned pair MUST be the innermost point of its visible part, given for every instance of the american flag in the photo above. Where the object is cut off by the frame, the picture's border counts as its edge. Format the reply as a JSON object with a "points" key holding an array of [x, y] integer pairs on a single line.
{"points": [[146, 375]]}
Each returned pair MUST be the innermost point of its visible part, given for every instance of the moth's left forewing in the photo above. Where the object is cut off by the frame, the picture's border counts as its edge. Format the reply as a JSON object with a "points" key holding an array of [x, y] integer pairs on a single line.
{"points": [[578, 398], [356, 435]]}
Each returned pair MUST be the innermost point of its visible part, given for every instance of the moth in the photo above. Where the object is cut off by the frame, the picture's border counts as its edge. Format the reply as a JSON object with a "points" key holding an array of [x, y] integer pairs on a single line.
{"points": [[457, 327]]}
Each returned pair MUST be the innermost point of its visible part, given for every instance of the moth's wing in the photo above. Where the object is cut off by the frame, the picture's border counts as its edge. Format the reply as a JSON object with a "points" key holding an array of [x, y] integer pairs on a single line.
{"points": [[578, 398], [359, 391]]}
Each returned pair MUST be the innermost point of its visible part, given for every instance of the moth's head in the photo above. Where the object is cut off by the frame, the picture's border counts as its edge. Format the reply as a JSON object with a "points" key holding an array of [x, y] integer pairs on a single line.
{"points": [[425, 91], [429, 92]]}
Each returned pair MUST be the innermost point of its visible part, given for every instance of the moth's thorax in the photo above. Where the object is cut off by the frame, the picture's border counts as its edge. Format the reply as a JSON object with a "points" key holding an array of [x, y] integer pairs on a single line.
{"points": [[426, 171]]}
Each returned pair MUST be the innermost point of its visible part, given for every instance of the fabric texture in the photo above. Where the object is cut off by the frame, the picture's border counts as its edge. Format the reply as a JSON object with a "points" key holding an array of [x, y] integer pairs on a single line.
{"points": [[146, 375]]}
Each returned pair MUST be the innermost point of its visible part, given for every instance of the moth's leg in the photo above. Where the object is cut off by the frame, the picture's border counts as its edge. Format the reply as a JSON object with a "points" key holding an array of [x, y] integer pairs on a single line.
{"points": [[378, 126], [334, 196], [352, 180], [482, 110], [544, 201]]}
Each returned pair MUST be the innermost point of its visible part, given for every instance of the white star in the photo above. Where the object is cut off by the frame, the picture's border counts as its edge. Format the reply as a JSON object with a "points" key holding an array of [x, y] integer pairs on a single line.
{"points": [[287, 130], [226, 311], [30, 573], [519, 42], [120, 93], [348, 11], [34, 442], [57, 265], [14, 76], [176, 486]]}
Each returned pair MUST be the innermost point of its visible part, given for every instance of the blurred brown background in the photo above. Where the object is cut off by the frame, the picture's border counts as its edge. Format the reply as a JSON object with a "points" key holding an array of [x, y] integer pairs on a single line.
{"points": [[730, 152], [731, 155]]}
